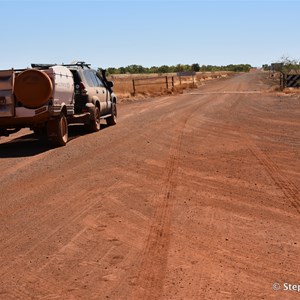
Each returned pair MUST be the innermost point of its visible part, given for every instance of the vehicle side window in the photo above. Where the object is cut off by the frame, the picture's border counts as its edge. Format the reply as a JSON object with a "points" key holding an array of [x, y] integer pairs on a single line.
{"points": [[88, 78], [99, 81], [94, 78]]}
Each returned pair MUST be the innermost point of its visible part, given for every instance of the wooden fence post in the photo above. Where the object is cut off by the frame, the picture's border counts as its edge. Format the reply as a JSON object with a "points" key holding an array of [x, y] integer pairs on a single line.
{"points": [[282, 81], [167, 84], [172, 83], [133, 85]]}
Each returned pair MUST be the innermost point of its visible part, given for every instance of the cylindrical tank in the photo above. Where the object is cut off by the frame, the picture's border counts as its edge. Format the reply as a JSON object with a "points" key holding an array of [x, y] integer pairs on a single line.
{"points": [[63, 87], [34, 88]]}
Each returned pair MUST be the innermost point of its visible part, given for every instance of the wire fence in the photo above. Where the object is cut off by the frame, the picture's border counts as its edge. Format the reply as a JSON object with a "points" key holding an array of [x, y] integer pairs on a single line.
{"points": [[166, 81]]}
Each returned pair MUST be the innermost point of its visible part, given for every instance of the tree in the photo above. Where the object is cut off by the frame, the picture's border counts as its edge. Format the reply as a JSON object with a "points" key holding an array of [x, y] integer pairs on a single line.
{"points": [[153, 69], [195, 67], [111, 71], [266, 67], [179, 68], [138, 69], [122, 70], [289, 65], [163, 69]]}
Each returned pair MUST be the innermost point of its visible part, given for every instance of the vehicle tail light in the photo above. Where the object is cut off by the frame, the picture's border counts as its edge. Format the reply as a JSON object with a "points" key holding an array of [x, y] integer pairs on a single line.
{"points": [[82, 88]]}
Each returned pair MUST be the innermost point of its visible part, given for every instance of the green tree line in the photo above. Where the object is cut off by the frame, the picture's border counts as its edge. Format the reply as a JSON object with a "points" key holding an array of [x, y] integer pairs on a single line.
{"points": [[138, 69]]}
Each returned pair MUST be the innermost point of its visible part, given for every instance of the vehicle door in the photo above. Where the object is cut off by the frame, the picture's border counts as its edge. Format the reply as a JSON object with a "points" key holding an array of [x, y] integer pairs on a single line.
{"points": [[95, 90], [101, 92], [107, 94]]}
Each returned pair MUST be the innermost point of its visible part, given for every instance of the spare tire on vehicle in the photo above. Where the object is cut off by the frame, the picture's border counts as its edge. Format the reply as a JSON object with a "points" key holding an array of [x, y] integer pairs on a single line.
{"points": [[33, 88]]}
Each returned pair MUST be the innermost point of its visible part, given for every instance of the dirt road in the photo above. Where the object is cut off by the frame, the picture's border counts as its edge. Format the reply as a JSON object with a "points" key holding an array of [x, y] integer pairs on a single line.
{"points": [[193, 196]]}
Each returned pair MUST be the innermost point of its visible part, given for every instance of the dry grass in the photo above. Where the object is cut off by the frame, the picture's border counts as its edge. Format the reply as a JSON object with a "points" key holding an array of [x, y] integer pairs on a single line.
{"points": [[291, 91], [155, 84]]}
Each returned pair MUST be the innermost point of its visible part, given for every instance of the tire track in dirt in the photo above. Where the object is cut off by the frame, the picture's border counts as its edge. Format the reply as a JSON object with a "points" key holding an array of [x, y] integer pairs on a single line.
{"points": [[290, 191], [161, 229], [13, 239], [69, 220], [150, 280]]}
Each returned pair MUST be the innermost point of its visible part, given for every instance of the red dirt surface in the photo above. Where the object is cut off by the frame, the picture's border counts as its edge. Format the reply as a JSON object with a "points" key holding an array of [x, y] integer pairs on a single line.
{"points": [[189, 197]]}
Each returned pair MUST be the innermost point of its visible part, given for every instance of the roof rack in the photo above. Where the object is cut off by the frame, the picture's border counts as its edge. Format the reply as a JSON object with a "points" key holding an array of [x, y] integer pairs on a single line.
{"points": [[73, 64], [43, 66], [78, 64]]}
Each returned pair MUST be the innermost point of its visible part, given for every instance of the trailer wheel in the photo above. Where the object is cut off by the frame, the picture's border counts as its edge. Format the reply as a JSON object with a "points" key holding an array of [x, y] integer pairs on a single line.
{"points": [[58, 130]]}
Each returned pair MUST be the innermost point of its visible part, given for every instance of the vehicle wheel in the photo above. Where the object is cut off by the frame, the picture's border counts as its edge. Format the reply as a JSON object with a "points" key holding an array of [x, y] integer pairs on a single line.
{"points": [[94, 125], [58, 131], [112, 120]]}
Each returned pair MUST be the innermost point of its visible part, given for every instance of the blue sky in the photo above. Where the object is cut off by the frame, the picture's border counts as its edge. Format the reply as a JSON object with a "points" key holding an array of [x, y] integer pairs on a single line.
{"points": [[150, 33]]}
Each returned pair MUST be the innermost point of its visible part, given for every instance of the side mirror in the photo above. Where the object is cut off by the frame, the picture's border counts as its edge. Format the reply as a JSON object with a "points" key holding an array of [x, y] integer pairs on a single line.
{"points": [[110, 84]]}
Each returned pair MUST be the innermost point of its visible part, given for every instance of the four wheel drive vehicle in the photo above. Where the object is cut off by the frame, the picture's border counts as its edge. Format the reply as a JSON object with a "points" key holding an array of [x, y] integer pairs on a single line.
{"points": [[46, 98]]}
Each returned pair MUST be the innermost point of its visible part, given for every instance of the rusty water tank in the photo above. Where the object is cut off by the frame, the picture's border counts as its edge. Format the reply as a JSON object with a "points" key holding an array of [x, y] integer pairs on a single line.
{"points": [[34, 88]]}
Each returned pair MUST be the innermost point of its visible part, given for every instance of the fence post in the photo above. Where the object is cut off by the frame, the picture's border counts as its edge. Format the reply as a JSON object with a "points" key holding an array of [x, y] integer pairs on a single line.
{"points": [[167, 84], [283, 81], [133, 85], [172, 83]]}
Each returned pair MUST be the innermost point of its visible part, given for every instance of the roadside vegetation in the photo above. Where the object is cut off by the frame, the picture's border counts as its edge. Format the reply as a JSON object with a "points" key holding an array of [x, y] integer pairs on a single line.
{"points": [[279, 70], [138, 69], [148, 85], [285, 65], [151, 81]]}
